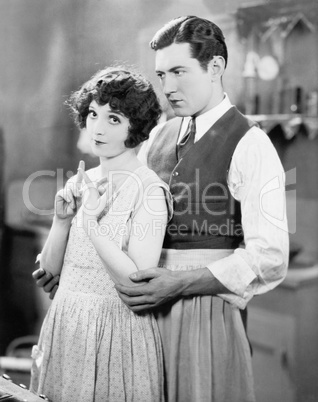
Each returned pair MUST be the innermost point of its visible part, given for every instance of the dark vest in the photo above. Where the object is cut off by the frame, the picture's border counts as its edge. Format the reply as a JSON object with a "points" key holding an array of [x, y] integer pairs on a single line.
{"points": [[205, 213]]}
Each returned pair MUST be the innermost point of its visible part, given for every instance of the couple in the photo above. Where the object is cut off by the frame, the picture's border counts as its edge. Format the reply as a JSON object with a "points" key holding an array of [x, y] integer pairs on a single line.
{"points": [[158, 317]]}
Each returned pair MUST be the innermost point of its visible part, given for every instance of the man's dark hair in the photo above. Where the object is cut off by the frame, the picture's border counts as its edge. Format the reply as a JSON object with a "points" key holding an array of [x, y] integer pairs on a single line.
{"points": [[204, 37], [125, 91]]}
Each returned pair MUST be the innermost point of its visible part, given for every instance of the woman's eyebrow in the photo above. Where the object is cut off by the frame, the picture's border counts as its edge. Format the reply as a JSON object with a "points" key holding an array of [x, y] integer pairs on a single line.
{"points": [[116, 112]]}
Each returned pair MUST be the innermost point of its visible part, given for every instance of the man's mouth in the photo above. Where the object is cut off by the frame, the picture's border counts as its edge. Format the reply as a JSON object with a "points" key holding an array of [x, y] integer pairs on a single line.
{"points": [[174, 102]]}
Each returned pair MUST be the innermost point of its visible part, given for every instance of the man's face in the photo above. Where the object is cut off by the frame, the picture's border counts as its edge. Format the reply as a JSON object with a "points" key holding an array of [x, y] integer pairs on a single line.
{"points": [[185, 83]]}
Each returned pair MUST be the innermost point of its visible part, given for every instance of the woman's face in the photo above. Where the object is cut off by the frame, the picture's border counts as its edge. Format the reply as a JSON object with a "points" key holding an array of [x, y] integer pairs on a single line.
{"points": [[107, 129]]}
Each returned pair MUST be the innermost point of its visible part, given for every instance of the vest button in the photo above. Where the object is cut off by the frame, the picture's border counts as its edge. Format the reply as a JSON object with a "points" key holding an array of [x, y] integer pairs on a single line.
{"points": [[176, 174]]}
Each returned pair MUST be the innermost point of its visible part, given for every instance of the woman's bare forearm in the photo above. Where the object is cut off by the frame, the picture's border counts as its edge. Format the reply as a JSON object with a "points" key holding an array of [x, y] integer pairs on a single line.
{"points": [[118, 263], [52, 255]]}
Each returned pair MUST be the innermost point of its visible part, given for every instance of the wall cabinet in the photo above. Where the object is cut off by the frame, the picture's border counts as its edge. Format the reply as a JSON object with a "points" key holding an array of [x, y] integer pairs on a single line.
{"points": [[283, 330]]}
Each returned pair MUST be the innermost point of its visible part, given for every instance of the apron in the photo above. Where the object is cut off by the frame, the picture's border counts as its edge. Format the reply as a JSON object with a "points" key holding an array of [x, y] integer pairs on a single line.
{"points": [[207, 356]]}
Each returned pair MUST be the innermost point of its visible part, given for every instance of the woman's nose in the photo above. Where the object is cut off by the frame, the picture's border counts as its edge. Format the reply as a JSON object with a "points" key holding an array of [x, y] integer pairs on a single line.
{"points": [[99, 128]]}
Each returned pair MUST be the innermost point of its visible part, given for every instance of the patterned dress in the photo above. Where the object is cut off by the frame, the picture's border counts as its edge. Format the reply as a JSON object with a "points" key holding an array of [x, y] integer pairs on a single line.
{"points": [[91, 346]]}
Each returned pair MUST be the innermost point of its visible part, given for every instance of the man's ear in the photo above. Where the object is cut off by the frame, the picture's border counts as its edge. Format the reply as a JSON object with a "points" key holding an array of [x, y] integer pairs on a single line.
{"points": [[216, 68]]}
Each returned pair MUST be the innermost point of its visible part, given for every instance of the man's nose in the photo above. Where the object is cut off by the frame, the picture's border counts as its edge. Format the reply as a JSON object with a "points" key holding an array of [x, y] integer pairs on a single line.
{"points": [[169, 85]]}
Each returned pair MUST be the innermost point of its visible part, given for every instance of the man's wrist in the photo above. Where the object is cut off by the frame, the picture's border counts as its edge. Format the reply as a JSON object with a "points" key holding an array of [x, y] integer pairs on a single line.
{"points": [[200, 282]]}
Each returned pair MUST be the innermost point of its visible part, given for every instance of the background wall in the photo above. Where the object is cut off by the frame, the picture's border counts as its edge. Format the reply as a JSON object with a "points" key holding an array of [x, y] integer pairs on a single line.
{"points": [[48, 48]]}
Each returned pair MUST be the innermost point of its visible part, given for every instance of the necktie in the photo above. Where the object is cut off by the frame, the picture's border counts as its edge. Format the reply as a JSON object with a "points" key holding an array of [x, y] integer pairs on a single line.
{"points": [[188, 140]]}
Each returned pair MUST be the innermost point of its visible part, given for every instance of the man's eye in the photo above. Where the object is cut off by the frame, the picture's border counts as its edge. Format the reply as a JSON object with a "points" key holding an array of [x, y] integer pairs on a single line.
{"points": [[179, 72], [160, 75]]}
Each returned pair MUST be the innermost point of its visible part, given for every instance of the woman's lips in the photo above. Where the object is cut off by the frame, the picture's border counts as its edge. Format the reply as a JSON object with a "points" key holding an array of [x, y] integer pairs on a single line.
{"points": [[99, 142]]}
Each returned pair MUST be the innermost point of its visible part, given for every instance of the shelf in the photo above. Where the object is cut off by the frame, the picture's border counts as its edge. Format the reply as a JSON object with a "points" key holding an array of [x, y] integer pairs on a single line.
{"points": [[290, 123]]}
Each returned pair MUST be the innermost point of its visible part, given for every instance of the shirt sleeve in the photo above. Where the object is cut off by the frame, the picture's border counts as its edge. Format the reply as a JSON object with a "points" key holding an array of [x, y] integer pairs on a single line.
{"points": [[256, 179]]}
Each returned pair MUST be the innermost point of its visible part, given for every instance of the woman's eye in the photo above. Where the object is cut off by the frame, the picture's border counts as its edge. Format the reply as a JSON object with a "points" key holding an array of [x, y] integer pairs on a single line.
{"points": [[92, 113], [114, 119]]}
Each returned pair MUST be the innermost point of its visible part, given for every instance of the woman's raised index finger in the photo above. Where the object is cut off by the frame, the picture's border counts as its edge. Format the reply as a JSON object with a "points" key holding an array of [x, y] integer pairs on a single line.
{"points": [[87, 180], [81, 169]]}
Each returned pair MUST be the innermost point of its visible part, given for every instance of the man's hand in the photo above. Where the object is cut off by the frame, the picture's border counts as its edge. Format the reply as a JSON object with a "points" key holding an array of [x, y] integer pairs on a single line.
{"points": [[46, 281], [156, 286]]}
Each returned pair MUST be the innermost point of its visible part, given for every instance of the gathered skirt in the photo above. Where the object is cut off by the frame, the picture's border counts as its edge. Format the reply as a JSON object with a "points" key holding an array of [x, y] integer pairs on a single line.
{"points": [[94, 349]]}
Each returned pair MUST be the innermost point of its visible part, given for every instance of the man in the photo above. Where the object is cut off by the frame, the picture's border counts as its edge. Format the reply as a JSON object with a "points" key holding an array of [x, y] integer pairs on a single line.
{"points": [[228, 238]]}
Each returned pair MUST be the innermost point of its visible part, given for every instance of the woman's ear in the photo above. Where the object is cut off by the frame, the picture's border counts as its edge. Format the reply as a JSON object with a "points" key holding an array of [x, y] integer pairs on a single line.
{"points": [[216, 68]]}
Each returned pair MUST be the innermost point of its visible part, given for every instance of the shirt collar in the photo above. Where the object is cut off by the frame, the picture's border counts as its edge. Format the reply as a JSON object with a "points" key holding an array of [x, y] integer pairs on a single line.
{"points": [[206, 120]]}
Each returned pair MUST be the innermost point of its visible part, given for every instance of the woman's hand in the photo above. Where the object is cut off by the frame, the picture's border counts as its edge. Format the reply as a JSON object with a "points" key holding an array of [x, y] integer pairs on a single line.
{"points": [[95, 195], [68, 199]]}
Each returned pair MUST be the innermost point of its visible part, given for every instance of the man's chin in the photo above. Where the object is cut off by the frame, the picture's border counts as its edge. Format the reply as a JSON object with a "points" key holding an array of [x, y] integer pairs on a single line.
{"points": [[180, 113]]}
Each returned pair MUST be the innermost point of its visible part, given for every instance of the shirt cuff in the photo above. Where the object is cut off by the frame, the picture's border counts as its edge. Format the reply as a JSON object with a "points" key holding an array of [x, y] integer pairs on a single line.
{"points": [[237, 301], [234, 273]]}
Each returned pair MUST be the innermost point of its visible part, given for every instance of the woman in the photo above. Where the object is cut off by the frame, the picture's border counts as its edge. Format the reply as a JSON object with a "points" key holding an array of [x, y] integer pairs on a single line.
{"points": [[91, 346]]}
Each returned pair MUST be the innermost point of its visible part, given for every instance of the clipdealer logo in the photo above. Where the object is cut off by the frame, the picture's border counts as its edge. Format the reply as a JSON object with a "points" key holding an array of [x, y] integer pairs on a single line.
{"points": [[272, 213]]}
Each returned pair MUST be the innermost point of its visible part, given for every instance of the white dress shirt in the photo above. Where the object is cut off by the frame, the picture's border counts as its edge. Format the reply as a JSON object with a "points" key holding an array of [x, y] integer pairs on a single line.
{"points": [[256, 179]]}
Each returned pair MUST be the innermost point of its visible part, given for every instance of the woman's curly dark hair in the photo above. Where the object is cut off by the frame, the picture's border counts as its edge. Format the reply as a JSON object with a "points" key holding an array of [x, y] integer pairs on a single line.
{"points": [[125, 91]]}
